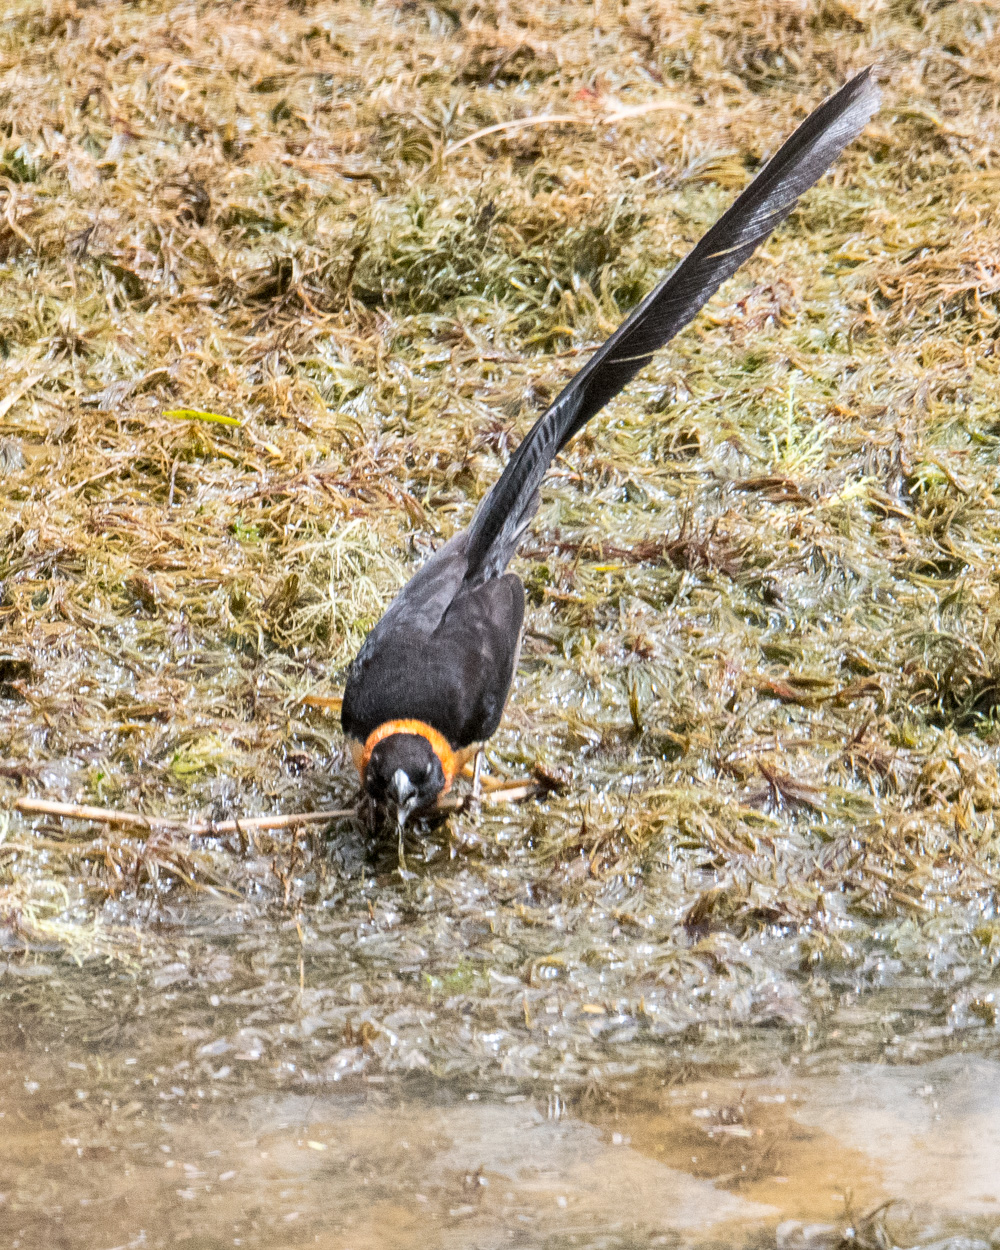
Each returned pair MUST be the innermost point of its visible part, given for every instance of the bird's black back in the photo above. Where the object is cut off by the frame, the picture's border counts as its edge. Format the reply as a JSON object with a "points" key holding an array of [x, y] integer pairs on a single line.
{"points": [[449, 667]]}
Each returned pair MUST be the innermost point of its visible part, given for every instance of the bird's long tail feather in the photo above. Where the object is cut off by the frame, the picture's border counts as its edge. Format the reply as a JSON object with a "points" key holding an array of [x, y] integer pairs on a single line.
{"points": [[802, 159]]}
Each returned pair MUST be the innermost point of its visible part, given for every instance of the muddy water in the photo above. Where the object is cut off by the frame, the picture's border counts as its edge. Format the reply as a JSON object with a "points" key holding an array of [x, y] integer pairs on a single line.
{"points": [[102, 1148]]}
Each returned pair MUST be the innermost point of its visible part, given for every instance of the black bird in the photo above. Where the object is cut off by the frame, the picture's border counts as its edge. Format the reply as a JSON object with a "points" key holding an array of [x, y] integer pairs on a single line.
{"points": [[430, 682]]}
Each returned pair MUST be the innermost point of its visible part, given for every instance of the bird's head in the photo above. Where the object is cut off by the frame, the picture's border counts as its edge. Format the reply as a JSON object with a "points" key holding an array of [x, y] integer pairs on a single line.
{"points": [[404, 775]]}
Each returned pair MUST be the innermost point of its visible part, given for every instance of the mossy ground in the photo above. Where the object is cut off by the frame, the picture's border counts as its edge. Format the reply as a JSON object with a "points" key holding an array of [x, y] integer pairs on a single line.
{"points": [[762, 648]]}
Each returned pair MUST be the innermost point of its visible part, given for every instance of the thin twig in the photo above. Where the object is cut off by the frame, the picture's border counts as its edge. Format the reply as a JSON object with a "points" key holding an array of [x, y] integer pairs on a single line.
{"points": [[519, 123], [620, 114], [164, 824], [336, 702], [12, 397], [505, 793], [514, 794]]}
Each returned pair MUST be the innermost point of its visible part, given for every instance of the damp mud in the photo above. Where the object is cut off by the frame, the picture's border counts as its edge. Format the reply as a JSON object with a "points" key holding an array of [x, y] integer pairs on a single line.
{"points": [[111, 1148], [292, 1088], [281, 287]]}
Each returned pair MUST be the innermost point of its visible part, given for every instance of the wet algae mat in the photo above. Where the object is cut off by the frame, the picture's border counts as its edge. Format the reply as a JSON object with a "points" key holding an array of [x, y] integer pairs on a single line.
{"points": [[281, 286]]}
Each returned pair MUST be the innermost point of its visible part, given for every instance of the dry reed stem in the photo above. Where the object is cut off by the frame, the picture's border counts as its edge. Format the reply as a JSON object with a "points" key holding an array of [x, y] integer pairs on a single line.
{"points": [[164, 824]]}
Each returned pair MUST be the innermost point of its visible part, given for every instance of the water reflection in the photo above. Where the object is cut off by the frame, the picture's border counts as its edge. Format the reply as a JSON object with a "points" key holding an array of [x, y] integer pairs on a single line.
{"points": [[92, 1169]]}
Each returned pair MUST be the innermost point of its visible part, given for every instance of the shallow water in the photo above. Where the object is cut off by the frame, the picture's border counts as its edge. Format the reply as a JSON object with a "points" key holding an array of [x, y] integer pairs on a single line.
{"points": [[350, 1078], [103, 1147]]}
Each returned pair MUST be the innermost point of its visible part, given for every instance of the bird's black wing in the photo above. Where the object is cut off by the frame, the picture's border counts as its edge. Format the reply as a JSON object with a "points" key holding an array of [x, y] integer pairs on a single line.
{"points": [[505, 512], [451, 670], [426, 597]]}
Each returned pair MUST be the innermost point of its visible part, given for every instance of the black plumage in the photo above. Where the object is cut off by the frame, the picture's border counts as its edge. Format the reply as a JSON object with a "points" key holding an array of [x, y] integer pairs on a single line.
{"points": [[445, 651]]}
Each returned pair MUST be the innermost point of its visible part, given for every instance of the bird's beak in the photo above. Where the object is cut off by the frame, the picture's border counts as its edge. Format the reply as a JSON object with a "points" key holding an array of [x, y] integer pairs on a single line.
{"points": [[403, 794]]}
